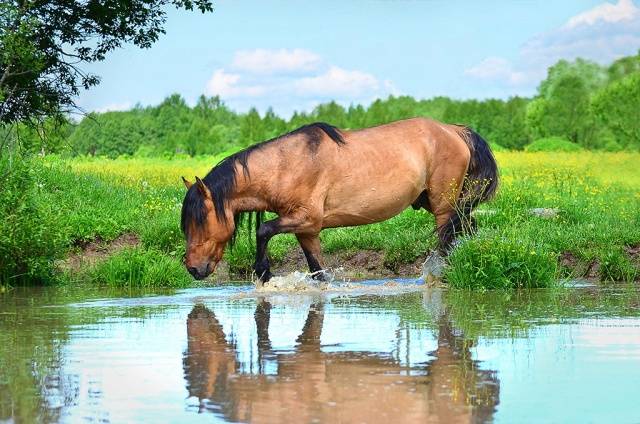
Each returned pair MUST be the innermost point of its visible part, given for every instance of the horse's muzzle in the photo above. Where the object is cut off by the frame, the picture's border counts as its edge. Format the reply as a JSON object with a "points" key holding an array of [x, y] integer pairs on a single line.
{"points": [[200, 273]]}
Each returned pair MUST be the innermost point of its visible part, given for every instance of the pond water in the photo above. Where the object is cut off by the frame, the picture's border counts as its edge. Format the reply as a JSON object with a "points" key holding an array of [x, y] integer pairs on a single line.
{"points": [[397, 354]]}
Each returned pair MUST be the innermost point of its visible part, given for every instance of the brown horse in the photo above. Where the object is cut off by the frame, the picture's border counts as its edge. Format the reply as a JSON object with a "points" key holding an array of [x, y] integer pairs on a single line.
{"points": [[320, 177]]}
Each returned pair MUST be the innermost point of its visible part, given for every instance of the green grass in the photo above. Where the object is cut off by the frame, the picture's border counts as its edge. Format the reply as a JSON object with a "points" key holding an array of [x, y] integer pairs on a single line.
{"points": [[616, 266], [138, 267], [553, 144], [501, 261], [597, 196]]}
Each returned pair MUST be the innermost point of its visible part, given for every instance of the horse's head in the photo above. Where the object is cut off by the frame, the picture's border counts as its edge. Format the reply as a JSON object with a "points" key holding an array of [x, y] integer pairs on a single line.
{"points": [[205, 232]]}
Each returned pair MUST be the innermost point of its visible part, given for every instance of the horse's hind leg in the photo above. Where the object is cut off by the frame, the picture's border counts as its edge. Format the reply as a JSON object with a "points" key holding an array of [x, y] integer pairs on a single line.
{"points": [[310, 244], [444, 194], [444, 190]]}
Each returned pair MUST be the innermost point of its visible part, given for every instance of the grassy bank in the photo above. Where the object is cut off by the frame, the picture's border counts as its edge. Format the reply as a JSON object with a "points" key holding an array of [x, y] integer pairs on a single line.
{"points": [[595, 230]]}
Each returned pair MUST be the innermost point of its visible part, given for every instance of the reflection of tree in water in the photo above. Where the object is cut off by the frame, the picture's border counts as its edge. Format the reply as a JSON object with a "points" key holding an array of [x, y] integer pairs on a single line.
{"points": [[34, 385], [334, 386]]}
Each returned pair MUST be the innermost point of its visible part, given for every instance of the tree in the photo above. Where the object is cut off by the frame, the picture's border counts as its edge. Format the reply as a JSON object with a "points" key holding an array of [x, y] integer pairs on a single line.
{"points": [[562, 107], [624, 66], [617, 106], [44, 43], [592, 75], [251, 128]]}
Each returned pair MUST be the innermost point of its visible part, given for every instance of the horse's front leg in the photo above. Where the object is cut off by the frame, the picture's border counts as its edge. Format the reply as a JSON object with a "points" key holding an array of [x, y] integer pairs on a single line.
{"points": [[263, 235], [310, 244], [295, 223]]}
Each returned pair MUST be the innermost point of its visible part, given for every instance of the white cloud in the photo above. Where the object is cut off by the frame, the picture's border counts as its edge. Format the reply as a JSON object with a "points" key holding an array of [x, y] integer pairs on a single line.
{"points": [[337, 82], [624, 10], [230, 86], [497, 68], [114, 107], [263, 61], [602, 34], [291, 80]]}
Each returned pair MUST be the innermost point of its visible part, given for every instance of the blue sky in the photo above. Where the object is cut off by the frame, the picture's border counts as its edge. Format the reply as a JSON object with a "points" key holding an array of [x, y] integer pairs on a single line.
{"points": [[292, 55]]}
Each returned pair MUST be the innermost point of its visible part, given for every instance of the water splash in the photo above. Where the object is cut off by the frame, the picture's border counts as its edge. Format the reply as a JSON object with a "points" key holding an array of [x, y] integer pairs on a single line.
{"points": [[334, 282], [433, 269], [304, 281]]}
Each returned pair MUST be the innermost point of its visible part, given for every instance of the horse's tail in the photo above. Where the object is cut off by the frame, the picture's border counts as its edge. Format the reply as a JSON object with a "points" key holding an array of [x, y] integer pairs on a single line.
{"points": [[480, 184]]}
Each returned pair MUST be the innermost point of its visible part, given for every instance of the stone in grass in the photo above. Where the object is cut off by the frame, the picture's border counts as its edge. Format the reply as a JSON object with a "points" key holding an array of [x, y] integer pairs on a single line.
{"points": [[545, 212], [484, 212]]}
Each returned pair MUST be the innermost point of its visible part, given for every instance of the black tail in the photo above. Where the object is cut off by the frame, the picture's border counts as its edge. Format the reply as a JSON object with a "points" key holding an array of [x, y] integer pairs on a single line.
{"points": [[480, 185]]}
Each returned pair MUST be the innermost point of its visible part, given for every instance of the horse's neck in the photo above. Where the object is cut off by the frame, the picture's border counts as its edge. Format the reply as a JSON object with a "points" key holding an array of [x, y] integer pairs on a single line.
{"points": [[249, 196]]}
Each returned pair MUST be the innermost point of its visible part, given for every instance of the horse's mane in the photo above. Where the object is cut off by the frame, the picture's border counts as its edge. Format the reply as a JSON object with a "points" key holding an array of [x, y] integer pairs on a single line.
{"points": [[221, 180]]}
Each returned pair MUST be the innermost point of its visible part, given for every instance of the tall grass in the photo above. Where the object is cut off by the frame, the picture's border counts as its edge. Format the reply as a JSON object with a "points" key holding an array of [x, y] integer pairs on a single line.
{"points": [[138, 267]]}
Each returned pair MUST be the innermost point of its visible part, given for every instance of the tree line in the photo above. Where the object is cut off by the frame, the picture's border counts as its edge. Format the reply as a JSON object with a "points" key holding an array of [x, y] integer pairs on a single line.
{"points": [[594, 106]]}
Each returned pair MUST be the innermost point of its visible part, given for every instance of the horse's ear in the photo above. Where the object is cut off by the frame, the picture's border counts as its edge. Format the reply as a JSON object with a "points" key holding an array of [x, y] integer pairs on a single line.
{"points": [[203, 188], [187, 183]]}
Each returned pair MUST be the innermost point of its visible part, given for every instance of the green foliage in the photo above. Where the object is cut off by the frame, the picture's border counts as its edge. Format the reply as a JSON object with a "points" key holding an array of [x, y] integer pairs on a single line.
{"points": [[553, 144], [495, 147], [31, 233], [211, 128], [138, 267], [624, 66], [618, 106], [495, 262], [615, 266], [590, 74], [496, 120], [564, 111], [589, 104], [612, 146], [165, 130], [42, 44]]}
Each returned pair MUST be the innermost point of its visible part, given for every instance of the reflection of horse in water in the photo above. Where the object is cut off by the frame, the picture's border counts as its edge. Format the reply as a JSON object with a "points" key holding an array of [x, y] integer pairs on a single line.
{"points": [[334, 386]]}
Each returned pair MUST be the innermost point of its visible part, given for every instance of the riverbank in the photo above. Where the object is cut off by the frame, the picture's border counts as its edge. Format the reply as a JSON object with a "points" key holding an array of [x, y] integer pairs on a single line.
{"points": [[117, 223]]}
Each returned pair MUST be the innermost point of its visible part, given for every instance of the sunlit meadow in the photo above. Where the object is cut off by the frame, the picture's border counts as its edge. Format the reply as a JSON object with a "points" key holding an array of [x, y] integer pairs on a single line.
{"points": [[594, 197]]}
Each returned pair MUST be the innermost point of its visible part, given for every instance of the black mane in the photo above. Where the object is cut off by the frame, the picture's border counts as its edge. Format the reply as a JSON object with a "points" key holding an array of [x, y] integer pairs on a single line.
{"points": [[221, 180]]}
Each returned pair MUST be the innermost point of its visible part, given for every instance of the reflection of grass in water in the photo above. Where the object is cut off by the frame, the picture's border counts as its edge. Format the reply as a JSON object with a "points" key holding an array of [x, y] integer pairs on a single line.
{"points": [[408, 307], [502, 313], [512, 313], [32, 336]]}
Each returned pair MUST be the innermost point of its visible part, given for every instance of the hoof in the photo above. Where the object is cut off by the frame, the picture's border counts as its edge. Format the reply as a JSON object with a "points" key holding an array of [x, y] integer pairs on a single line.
{"points": [[322, 275], [433, 268], [263, 277]]}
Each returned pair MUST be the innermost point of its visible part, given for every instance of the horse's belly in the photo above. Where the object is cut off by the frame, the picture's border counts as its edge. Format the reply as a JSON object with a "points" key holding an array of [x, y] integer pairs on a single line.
{"points": [[367, 204], [374, 181]]}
